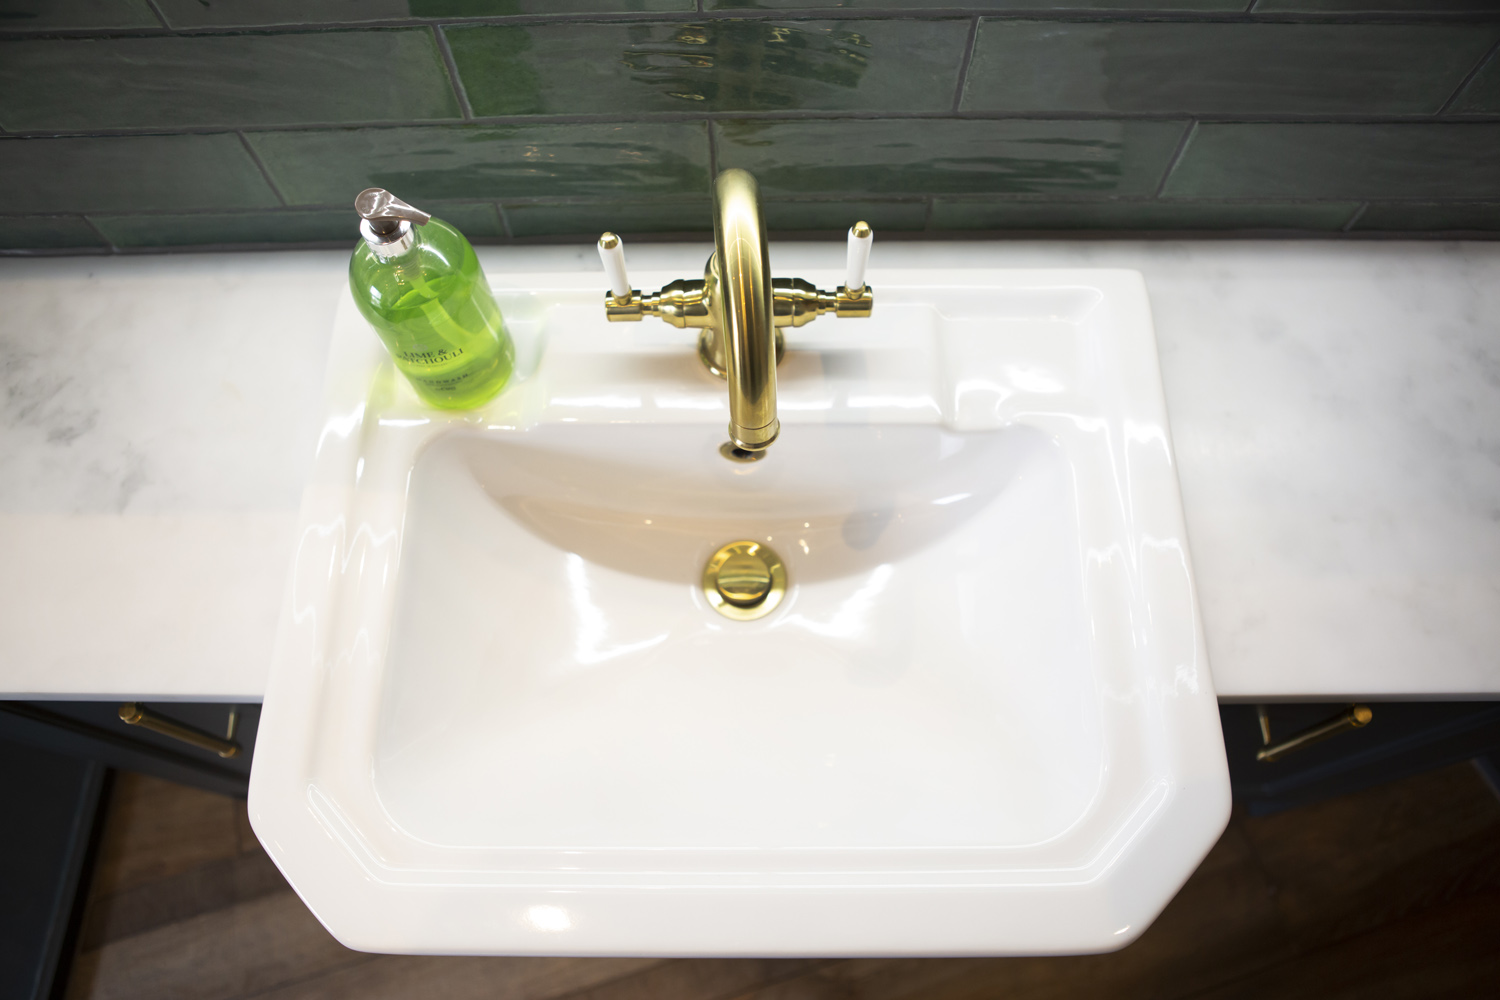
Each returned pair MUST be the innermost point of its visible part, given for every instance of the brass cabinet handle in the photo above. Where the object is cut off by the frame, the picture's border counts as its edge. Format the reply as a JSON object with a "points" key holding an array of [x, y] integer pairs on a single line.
{"points": [[136, 714], [1353, 717]]}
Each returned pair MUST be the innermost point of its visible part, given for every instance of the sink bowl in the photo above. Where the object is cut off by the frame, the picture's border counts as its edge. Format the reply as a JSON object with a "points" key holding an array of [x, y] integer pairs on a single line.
{"points": [[505, 718]]}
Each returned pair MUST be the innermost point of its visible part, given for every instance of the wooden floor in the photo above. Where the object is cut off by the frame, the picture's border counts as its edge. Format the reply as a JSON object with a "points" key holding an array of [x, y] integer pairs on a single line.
{"points": [[1394, 892]]}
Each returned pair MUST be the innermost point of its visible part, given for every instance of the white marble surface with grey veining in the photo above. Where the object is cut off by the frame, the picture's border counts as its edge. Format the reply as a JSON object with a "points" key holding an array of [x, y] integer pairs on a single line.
{"points": [[1335, 408]]}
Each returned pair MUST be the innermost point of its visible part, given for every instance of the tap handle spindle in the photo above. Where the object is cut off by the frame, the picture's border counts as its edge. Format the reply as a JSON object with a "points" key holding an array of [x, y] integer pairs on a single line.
{"points": [[612, 253], [861, 236]]}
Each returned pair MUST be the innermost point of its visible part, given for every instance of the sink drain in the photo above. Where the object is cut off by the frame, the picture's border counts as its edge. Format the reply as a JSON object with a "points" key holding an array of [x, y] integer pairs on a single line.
{"points": [[744, 580]]}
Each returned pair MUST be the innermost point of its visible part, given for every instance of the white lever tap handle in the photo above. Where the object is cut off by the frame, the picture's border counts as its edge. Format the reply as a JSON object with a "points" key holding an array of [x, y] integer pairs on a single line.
{"points": [[861, 236], [612, 253]]}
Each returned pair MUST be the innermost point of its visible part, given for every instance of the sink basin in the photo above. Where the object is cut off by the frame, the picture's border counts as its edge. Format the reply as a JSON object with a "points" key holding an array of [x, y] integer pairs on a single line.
{"points": [[505, 718]]}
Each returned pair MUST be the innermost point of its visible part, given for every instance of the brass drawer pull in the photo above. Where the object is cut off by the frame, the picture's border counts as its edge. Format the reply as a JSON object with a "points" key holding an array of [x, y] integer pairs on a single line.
{"points": [[137, 714], [1353, 717]]}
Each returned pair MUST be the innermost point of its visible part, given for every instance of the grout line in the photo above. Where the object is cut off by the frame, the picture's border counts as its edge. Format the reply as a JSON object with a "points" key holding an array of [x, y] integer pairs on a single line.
{"points": [[505, 221], [159, 15], [1358, 214], [952, 235], [264, 173], [100, 233], [1182, 144], [814, 199], [1463, 85], [454, 80], [797, 14], [677, 117], [963, 67]]}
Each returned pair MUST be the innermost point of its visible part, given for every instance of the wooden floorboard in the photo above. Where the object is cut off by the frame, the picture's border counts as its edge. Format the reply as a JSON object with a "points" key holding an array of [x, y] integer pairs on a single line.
{"points": [[1393, 892], [398, 977]]}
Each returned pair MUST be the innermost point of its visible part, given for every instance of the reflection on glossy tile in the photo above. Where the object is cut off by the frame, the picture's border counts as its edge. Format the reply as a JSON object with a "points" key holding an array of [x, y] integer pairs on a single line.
{"points": [[131, 173], [960, 214], [1431, 217], [46, 15], [248, 13], [47, 232], [1226, 68], [488, 161], [1418, 160], [224, 80], [321, 225], [1482, 95], [922, 156], [897, 65]]}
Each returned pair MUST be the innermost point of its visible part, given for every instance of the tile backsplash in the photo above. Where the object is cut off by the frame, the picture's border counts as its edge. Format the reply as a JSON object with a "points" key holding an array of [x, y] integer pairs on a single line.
{"points": [[158, 124]]}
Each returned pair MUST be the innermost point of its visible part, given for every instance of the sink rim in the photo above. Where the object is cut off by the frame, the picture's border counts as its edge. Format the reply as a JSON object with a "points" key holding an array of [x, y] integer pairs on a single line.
{"points": [[375, 901]]}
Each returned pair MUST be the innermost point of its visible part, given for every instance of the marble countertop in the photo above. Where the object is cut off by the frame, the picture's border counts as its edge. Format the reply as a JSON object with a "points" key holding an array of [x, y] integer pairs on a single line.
{"points": [[1335, 408]]}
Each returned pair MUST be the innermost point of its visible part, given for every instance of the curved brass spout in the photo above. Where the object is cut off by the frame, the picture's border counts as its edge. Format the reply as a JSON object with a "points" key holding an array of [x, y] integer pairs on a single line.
{"points": [[743, 310], [738, 309]]}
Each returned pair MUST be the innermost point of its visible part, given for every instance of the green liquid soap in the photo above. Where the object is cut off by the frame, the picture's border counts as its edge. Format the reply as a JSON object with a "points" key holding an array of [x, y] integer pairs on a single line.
{"points": [[427, 298]]}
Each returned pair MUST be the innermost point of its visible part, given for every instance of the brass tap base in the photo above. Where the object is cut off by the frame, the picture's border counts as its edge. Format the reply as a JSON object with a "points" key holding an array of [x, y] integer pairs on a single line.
{"points": [[735, 453], [754, 438], [744, 581]]}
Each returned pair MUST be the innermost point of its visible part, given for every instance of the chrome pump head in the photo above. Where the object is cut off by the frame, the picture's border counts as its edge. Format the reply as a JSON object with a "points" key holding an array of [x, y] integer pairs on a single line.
{"points": [[386, 221]]}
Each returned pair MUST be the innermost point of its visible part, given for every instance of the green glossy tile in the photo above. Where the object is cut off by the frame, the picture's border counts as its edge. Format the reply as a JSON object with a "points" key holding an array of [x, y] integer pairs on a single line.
{"points": [[1431, 217], [1482, 95], [696, 216], [477, 221], [47, 232], [886, 65], [1375, 6], [943, 156], [1224, 5], [1418, 160], [836, 216], [200, 14], [259, 13], [488, 161], [1205, 68], [253, 13], [319, 225], [962, 214], [589, 219], [224, 80], [54, 15], [131, 173]]}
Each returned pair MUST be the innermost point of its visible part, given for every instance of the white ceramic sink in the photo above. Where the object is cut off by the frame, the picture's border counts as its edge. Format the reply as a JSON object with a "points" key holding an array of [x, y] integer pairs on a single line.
{"points": [[503, 718]]}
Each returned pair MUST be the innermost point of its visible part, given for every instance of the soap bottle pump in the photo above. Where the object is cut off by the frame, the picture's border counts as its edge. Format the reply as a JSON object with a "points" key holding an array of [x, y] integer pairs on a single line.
{"points": [[423, 292]]}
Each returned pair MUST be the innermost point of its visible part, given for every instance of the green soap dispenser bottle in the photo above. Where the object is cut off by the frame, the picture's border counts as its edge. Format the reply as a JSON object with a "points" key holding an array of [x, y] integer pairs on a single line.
{"points": [[423, 292]]}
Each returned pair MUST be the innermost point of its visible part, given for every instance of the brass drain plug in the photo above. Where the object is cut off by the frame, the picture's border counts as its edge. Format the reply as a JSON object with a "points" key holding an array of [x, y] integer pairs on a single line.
{"points": [[744, 581]]}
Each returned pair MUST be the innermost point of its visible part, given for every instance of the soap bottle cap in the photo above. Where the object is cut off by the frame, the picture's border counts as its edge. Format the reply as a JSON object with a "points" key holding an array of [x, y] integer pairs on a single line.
{"points": [[386, 221]]}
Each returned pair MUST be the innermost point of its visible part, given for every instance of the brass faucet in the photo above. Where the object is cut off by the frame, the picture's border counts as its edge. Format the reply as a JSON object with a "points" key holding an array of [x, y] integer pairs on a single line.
{"points": [[738, 307]]}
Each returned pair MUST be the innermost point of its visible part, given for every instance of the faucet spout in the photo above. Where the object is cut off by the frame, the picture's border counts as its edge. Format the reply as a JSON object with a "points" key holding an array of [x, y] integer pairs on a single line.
{"points": [[738, 309], [743, 310]]}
